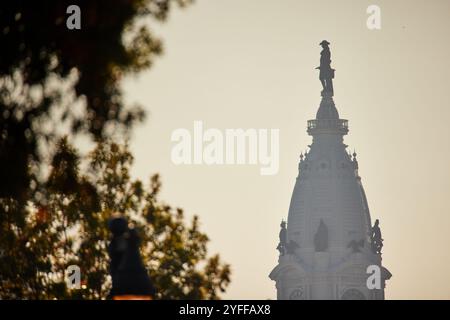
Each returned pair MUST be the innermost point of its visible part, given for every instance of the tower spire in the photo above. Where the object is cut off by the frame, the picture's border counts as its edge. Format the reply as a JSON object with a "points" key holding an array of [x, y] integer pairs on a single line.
{"points": [[329, 222]]}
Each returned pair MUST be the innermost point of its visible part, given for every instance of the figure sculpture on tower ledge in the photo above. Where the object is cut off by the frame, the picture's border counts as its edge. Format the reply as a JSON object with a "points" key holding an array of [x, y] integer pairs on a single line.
{"points": [[283, 239], [326, 74], [377, 240], [321, 238]]}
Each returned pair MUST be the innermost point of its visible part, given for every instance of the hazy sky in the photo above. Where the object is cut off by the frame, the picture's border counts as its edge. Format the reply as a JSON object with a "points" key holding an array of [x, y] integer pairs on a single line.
{"points": [[250, 64]]}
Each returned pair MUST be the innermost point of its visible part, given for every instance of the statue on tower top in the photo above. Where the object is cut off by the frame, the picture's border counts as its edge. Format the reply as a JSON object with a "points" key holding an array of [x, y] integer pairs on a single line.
{"points": [[326, 74]]}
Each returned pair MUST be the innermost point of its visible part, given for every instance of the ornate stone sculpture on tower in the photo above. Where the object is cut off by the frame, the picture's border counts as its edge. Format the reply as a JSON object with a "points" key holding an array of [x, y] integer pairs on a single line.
{"points": [[329, 220], [321, 238], [283, 239]]}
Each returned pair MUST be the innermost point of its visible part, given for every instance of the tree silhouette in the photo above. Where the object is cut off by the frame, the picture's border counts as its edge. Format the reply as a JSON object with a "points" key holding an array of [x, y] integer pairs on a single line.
{"points": [[56, 82], [69, 226], [53, 79]]}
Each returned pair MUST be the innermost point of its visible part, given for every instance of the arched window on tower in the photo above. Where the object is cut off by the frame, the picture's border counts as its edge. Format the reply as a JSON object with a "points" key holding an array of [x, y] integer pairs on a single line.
{"points": [[353, 294]]}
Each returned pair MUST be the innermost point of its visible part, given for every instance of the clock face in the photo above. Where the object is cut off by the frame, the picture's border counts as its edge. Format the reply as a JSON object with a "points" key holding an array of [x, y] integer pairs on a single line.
{"points": [[353, 294], [297, 294]]}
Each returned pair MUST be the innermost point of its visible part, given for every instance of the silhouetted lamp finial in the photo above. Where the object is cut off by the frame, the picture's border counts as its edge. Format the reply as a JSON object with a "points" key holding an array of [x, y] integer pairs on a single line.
{"points": [[283, 238], [377, 240], [130, 280]]}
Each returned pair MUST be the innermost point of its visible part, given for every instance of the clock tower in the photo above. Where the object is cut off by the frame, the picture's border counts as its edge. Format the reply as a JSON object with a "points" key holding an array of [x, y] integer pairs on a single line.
{"points": [[329, 248]]}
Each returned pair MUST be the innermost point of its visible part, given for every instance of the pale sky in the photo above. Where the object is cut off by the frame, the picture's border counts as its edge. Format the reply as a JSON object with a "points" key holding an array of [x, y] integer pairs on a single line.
{"points": [[250, 64]]}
